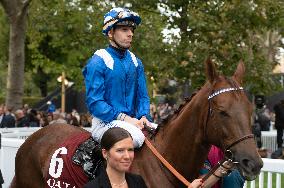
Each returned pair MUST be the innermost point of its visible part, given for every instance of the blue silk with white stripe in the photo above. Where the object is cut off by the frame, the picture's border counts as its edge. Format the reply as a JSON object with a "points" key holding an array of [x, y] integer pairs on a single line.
{"points": [[115, 82]]}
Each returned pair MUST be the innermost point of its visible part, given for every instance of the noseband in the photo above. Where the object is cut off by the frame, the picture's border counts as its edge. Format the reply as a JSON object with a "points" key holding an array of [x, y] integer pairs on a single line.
{"points": [[218, 92]]}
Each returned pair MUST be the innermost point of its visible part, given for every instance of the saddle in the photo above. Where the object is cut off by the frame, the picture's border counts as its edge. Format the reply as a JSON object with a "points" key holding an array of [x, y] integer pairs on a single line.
{"points": [[88, 155], [74, 163]]}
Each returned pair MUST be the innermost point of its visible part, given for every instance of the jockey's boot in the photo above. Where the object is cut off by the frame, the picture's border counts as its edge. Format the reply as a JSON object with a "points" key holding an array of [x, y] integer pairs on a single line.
{"points": [[88, 155]]}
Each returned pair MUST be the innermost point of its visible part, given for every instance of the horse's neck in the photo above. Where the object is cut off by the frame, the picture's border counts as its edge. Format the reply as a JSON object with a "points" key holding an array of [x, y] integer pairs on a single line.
{"points": [[152, 170], [181, 144]]}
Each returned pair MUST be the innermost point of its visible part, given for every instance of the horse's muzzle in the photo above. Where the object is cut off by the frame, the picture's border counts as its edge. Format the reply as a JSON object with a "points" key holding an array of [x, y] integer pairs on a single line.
{"points": [[249, 168]]}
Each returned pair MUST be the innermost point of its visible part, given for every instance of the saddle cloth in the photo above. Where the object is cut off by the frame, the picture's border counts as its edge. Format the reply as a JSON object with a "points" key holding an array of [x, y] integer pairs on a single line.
{"points": [[62, 171]]}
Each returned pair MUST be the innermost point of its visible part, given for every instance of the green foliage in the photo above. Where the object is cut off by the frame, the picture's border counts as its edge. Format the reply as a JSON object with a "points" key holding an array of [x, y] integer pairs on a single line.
{"points": [[4, 36], [227, 31], [62, 35]]}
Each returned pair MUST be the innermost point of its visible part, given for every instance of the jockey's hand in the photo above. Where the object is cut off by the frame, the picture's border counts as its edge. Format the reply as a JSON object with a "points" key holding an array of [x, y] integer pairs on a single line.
{"points": [[133, 121], [144, 121], [197, 183]]}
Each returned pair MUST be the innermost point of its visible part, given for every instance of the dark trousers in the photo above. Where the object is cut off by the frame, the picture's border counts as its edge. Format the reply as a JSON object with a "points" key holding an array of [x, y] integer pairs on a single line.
{"points": [[279, 137]]}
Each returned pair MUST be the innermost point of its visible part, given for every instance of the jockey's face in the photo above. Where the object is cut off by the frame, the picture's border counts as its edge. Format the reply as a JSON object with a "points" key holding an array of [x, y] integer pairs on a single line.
{"points": [[120, 156], [121, 35]]}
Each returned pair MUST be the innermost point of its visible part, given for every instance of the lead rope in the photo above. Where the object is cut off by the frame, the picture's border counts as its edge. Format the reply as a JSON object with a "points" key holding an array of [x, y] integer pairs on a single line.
{"points": [[166, 163]]}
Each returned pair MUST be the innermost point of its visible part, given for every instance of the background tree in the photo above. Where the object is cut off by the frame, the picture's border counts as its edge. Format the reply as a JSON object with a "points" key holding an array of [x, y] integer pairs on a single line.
{"points": [[74, 32], [4, 42], [16, 11], [227, 31], [62, 35]]}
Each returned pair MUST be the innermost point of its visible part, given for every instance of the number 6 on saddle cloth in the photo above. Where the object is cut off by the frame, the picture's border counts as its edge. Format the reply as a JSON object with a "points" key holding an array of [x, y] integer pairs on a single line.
{"points": [[76, 161]]}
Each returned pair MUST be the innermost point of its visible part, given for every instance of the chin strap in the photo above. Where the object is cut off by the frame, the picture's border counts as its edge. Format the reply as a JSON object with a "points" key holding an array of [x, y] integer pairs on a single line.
{"points": [[118, 45]]}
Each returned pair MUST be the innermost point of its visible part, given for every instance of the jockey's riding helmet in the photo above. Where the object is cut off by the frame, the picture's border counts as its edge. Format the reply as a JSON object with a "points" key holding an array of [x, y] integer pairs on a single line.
{"points": [[120, 16]]}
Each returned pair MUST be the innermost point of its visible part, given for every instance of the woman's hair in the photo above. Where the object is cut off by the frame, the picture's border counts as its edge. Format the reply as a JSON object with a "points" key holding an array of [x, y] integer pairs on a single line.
{"points": [[112, 136]]}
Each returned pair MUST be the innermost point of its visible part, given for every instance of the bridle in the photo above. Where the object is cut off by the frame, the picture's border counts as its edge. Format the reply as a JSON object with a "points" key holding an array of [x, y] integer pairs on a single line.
{"points": [[228, 153], [214, 94]]}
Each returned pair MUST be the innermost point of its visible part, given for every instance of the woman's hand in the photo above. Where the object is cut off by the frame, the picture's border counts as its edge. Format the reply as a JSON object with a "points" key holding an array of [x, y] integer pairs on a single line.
{"points": [[197, 183]]}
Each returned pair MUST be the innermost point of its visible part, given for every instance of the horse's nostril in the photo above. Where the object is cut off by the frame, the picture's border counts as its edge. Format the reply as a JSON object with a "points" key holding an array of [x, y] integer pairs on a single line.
{"points": [[245, 162], [251, 166]]}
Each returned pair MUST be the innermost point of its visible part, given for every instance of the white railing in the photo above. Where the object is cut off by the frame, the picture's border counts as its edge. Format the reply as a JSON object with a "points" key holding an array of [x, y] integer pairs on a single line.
{"points": [[9, 148], [268, 139], [21, 129], [271, 167]]}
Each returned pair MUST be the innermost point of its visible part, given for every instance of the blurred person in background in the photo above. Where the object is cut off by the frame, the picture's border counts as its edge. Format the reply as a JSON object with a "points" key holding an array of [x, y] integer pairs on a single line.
{"points": [[26, 108], [33, 121], [51, 107], [7, 120], [49, 117], [1, 179], [279, 122], [75, 114], [21, 119], [74, 121], [58, 118], [84, 120], [43, 120]]}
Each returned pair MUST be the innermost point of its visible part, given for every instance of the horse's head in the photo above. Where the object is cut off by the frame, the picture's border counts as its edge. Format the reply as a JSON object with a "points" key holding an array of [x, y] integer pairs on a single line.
{"points": [[228, 123]]}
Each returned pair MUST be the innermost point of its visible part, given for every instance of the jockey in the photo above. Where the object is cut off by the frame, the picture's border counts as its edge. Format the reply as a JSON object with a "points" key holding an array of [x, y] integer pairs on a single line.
{"points": [[116, 91]]}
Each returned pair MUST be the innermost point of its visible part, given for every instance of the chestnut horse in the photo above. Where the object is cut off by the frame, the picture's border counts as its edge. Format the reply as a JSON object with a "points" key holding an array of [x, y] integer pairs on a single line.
{"points": [[220, 114]]}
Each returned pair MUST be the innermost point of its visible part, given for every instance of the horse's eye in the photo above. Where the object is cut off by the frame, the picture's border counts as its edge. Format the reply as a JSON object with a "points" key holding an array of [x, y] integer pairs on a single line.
{"points": [[223, 113]]}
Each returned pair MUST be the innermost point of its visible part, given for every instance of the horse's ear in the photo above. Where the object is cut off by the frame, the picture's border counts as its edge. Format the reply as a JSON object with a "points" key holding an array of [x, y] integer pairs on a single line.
{"points": [[211, 72], [240, 72]]}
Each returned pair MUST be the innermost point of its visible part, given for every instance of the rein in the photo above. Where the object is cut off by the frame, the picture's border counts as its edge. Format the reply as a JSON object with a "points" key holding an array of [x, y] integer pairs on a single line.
{"points": [[166, 163]]}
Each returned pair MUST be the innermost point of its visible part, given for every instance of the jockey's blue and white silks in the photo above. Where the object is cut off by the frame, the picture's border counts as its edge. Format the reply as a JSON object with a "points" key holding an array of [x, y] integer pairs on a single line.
{"points": [[116, 86], [115, 83]]}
